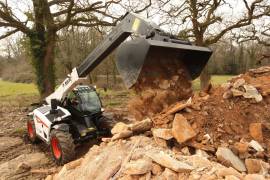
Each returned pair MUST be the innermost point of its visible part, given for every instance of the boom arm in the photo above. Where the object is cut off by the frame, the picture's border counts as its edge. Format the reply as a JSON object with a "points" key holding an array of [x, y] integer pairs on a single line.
{"points": [[130, 24]]}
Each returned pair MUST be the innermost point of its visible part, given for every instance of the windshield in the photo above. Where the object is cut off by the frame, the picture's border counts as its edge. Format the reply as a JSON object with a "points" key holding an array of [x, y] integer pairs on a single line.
{"points": [[90, 101]]}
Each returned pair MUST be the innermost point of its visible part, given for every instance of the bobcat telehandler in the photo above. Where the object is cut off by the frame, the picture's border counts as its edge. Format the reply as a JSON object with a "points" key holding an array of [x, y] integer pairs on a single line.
{"points": [[73, 113]]}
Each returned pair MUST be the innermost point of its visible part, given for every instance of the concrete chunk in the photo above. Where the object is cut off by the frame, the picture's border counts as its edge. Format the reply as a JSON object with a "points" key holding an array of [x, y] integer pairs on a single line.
{"points": [[138, 167], [162, 133]]}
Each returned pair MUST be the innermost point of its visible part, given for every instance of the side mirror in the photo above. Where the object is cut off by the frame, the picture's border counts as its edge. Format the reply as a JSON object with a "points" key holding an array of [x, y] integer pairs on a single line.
{"points": [[54, 104]]}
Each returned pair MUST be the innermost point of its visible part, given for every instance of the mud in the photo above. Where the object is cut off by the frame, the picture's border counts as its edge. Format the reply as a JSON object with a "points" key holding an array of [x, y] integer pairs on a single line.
{"points": [[163, 81]]}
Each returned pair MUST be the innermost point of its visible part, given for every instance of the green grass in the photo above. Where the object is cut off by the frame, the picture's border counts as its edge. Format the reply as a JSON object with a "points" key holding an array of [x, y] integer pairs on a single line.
{"points": [[20, 93], [15, 89], [215, 80]]}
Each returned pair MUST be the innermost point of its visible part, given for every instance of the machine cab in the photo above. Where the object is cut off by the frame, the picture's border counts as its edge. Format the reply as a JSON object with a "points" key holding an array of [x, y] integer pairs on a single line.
{"points": [[84, 100]]}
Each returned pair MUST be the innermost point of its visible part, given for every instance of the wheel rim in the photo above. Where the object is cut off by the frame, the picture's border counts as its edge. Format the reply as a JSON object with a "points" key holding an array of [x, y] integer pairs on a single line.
{"points": [[30, 130], [55, 147]]}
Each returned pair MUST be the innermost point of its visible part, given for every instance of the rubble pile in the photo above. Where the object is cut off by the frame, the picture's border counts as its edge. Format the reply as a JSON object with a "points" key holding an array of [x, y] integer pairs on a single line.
{"points": [[221, 134]]}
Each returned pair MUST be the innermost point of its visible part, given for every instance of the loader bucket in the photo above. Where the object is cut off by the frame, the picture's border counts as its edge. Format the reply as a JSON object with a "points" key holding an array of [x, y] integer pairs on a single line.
{"points": [[132, 57]]}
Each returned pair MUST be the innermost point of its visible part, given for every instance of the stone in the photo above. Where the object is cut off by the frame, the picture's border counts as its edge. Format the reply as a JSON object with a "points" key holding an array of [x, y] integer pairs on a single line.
{"points": [[201, 153], [231, 177], [156, 169], [169, 175], [223, 172], [241, 147], [252, 92], [256, 166], [228, 158], [254, 177], [185, 151], [119, 127], [121, 135], [160, 142], [73, 164], [141, 126], [255, 145], [236, 92], [238, 83], [167, 161], [141, 166], [255, 130], [181, 129], [50, 177], [162, 133]]}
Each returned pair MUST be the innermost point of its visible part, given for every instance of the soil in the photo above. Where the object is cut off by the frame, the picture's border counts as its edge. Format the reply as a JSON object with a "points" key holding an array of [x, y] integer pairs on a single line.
{"points": [[163, 81]]}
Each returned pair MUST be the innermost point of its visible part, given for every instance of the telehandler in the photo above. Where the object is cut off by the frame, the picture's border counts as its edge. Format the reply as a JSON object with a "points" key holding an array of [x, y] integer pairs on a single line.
{"points": [[74, 113]]}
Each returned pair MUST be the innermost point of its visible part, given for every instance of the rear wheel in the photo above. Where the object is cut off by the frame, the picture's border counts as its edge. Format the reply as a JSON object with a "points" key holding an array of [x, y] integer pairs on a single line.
{"points": [[31, 131], [62, 146]]}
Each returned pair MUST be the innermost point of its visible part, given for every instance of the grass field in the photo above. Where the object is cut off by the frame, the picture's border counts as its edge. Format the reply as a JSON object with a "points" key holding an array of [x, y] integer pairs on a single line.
{"points": [[10, 89]]}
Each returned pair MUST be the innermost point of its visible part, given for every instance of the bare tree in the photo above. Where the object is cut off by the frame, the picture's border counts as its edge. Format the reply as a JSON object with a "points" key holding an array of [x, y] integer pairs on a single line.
{"points": [[41, 21], [209, 25]]}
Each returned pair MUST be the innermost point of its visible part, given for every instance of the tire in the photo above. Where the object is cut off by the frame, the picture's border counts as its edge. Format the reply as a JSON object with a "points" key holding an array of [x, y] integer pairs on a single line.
{"points": [[106, 124], [62, 146], [31, 131]]}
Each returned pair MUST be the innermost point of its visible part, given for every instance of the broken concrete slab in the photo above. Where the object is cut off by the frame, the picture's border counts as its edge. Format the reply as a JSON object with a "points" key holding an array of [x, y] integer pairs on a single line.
{"points": [[167, 161], [254, 177], [228, 158], [162, 133], [181, 129]]}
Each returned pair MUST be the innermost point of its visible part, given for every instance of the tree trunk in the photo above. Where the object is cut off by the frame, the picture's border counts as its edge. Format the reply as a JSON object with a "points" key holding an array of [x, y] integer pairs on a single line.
{"points": [[42, 48]]}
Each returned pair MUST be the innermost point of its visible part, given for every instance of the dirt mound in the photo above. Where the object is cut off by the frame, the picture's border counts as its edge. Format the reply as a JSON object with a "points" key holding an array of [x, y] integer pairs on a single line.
{"points": [[163, 81], [220, 135]]}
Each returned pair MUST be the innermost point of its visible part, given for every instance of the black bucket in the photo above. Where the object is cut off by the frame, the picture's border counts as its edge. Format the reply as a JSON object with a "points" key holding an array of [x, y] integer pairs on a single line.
{"points": [[131, 57]]}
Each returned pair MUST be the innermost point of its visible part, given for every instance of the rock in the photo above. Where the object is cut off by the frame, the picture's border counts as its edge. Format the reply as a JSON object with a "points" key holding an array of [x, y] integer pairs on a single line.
{"points": [[252, 92], [231, 177], [201, 153], [255, 145], [223, 172], [254, 177], [9, 142], [138, 167], [238, 83], [185, 151], [141, 126], [73, 164], [167, 161], [181, 129], [160, 142], [119, 127], [256, 166], [162, 133], [50, 177], [169, 175], [241, 147], [226, 157], [236, 92], [121, 135], [156, 169], [255, 130]]}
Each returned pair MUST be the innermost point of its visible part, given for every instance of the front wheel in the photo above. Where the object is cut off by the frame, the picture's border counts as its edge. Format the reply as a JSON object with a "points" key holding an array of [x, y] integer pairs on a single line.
{"points": [[31, 131], [62, 146]]}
